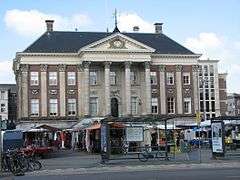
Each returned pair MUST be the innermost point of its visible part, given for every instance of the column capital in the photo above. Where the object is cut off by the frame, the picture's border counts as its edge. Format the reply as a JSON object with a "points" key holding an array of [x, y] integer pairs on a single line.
{"points": [[127, 64], [43, 67], [162, 68], [62, 67], [179, 68], [147, 65], [86, 64], [24, 67], [80, 67], [195, 68], [107, 64]]}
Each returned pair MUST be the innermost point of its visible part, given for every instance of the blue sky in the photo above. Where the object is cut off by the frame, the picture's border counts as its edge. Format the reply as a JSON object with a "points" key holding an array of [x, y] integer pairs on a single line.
{"points": [[207, 27]]}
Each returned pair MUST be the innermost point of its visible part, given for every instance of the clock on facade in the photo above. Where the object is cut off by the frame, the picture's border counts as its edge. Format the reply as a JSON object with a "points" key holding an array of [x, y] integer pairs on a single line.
{"points": [[117, 43]]}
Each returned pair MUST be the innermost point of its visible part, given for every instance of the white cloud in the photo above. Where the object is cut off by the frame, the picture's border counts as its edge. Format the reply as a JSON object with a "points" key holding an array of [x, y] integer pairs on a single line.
{"points": [[32, 22], [6, 72], [214, 46], [128, 20]]}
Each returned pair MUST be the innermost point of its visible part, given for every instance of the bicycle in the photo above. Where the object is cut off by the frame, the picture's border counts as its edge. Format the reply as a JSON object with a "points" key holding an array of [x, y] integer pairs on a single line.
{"points": [[146, 154]]}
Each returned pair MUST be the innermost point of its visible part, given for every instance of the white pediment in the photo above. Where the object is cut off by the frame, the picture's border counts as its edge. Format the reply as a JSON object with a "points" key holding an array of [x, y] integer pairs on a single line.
{"points": [[117, 43]]}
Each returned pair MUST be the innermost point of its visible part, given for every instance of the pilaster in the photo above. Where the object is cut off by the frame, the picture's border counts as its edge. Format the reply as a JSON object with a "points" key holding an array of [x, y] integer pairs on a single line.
{"points": [[179, 89], [62, 89], [44, 101], [162, 89]]}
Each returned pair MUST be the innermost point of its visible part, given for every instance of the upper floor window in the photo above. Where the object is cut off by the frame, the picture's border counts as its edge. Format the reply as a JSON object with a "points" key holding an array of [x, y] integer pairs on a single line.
{"points": [[154, 105], [93, 77], [171, 105], [211, 69], [153, 76], [205, 70], [3, 108], [170, 78], [3, 96], [72, 107], [134, 105], [34, 107], [93, 106], [52, 78], [53, 107], [71, 78], [34, 79], [186, 78], [133, 77], [113, 78], [187, 105]]}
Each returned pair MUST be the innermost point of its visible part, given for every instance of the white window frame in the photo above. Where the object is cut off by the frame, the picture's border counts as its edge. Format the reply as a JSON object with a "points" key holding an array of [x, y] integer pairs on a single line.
{"points": [[113, 78], [35, 107], [134, 103], [170, 78], [153, 78], [53, 111], [172, 101], [186, 79], [93, 77], [72, 107], [3, 108], [53, 78], [71, 78], [187, 101], [34, 78], [3, 95], [154, 105], [90, 106], [133, 77]]}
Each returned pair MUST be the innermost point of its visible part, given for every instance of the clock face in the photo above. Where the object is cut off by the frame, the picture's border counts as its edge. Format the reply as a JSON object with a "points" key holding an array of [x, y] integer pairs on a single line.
{"points": [[117, 43]]}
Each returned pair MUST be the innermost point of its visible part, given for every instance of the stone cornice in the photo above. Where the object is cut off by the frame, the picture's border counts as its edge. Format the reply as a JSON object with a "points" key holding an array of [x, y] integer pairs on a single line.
{"points": [[177, 55]]}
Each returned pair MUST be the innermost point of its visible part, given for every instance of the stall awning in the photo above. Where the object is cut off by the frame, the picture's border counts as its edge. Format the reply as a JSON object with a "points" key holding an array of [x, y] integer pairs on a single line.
{"points": [[94, 126]]}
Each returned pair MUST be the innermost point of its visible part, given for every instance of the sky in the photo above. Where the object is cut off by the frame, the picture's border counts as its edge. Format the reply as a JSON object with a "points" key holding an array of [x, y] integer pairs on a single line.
{"points": [[210, 28]]}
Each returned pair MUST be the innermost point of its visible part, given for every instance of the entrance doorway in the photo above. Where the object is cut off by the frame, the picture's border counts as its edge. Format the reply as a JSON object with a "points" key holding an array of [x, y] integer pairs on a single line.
{"points": [[114, 107]]}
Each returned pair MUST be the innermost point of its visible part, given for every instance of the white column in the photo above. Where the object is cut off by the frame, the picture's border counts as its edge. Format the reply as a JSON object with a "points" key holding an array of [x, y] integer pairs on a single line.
{"points": [[80, 86], [179, 89], [86, 87], [195, 85], [107, 87], [24, 102], [162, 89], [43, 83], [216, 89], [62, 89], [148, 88], [127, 89], [19, 94]]}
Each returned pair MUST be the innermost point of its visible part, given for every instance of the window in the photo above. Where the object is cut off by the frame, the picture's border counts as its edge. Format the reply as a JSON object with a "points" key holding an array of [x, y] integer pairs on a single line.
{"points": [[154, 105], [186, 78], [211, 69], [213, 106], [133, 77], [171, 105], [93, 106], [200, 70], [71, 107], [205, 70], [34, 78], [212, 82], [134, 105], [153, 76], [170, 78], [71, 78], [93, 78], [212, 94], [53, 107], [187, 105], [34, 107], [3, 108], [113, 78], [2, 94], [52, 78]]}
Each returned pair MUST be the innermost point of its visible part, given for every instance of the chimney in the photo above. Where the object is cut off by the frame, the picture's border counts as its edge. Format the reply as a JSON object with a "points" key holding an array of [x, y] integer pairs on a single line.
{"points": [[136, 28], [49, 24], [158, 28]]}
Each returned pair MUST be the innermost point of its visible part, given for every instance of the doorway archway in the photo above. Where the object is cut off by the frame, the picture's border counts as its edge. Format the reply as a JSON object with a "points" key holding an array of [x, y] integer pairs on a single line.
{"points": [[114, 107]]}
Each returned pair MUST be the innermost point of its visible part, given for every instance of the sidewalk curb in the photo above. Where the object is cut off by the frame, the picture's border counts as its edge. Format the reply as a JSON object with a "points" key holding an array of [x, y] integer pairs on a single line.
{"points": [[106, 169]]}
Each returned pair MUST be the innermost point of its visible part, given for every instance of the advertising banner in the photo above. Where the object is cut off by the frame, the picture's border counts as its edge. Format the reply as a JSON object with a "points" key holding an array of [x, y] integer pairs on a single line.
{"points": [[134, 134], [217, 137]]}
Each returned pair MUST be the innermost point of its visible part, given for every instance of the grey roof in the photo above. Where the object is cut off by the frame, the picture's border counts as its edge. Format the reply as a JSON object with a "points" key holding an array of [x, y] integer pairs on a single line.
{"points": [[11, 87], [71, 42]]}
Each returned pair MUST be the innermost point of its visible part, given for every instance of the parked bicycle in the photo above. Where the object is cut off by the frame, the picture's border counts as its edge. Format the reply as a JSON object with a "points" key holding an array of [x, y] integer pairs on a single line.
{"points": [[147, 153]]}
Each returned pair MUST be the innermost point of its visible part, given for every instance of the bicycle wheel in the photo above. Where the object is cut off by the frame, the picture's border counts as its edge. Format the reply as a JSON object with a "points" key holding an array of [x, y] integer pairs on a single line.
{"points": [[143, 157], [34, 165], [160, 155]]}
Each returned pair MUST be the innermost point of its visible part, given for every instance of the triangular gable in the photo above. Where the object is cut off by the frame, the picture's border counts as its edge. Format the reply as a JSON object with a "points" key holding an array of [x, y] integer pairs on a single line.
{"points": [[117, 42]]}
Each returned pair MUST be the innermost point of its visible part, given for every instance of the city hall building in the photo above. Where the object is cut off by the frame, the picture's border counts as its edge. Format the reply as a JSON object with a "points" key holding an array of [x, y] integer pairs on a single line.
{"points": [[66, 76]]}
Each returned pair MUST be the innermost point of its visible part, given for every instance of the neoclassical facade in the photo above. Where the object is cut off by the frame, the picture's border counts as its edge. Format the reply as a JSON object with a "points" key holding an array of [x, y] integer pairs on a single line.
{"points": [[71, 75]]}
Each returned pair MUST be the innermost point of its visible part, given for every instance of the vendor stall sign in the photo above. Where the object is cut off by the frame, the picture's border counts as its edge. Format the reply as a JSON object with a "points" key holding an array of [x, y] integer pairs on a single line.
{"points": [[134, 134], [217, 137]]}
